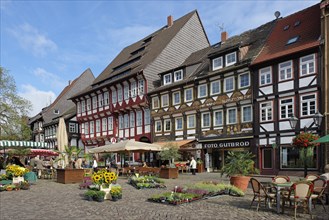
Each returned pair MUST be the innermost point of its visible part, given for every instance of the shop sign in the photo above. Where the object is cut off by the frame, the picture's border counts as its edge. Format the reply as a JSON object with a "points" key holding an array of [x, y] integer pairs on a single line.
{"points": [[230, 144]]}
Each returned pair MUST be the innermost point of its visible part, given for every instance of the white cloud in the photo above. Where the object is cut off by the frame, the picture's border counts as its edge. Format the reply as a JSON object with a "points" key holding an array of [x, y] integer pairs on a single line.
{"points": [[38, 98], [32, 40], [50, 79]]}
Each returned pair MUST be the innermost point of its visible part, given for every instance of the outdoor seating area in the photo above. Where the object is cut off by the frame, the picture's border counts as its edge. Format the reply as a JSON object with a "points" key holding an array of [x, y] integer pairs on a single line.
{"points": [[300, 193]]}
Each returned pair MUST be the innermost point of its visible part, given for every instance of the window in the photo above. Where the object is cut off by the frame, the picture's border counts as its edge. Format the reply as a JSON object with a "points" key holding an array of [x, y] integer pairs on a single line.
{"points": [[126, 92], [176, 98], [141, 87], [88, 105], [100, 100], [188, 95], [132, 119], [110, 123], [86, 128], [147, 116], [205, 119], [217, 63], [158, 126], [133, 92], [139, 118], [155, 102], [94, 102], [191, 121], [230, 59], [79, 107], [266, 111], [72, 127], [126, 121], [56, 111], [202, 90], [104, 124], [308, 104], [165, 100], [244, 80], [178, 75], [92, 127], [267, 158], [265, 76], [114, 96], [167, 125], [98, 126], [231, 116], [120, 122], [286, 108], [307, 65], [106, 98], [218, 118], [167, 79], [120, 94], [292, 40], [83, 106], [229, 84], [179, 123], [291, 157], [215, 87], [285, 70], [246, 113]]}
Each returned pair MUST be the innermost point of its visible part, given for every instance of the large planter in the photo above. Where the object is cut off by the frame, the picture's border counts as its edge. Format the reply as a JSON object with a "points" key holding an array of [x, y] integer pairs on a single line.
{"points": [[200, 167], [240, 182], [168, 173], [70, 175], [107, 191]]}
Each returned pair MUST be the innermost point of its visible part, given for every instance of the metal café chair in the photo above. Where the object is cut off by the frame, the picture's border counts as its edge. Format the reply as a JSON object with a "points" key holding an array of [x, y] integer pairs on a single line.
{"points": [[261, 194], [318, 191]]}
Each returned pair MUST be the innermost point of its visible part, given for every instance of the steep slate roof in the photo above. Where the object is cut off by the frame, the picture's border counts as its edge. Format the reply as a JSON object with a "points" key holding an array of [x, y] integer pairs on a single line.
{"points": [[154, 44], [308, 30], [254, 38], [61, 102]]}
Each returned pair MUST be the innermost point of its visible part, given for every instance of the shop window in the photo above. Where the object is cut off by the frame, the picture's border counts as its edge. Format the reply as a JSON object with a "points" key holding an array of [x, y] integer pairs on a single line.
{"points": [[293, 157]]}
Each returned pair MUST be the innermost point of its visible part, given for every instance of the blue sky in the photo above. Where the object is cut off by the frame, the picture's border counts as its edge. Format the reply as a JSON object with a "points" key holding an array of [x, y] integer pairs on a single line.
{"points": [[46, 43]]}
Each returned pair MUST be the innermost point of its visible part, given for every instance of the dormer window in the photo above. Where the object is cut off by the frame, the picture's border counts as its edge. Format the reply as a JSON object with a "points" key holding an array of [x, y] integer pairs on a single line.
{"points": [[178, 75], [292, 40], [217, 63], [56, 111], [230, 59], [167, 79]]}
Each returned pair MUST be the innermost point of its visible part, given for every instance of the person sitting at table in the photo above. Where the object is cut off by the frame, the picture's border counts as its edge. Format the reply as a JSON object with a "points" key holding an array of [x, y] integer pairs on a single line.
{"points": [[144, 164]]}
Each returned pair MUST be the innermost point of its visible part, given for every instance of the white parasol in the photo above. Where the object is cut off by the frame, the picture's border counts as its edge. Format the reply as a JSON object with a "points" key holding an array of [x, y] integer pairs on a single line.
{"points": [[62, 139]]}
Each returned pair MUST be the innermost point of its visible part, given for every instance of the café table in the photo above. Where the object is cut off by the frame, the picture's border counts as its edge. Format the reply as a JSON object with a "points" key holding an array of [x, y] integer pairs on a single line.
{"points": [[279, 187]]}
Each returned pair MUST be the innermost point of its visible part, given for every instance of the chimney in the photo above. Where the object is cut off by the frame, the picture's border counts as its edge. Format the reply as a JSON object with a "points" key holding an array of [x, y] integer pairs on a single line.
{"points": [[224, 36], [69, 82], [170, 21]]}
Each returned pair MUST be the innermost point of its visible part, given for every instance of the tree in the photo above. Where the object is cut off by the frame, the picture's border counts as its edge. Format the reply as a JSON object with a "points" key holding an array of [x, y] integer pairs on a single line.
{"points": [[13, 110], [170, 153]]}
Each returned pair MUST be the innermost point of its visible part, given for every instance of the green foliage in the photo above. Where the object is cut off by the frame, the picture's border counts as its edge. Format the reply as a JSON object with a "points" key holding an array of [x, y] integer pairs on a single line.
{"points": [[20, 152], [170, 153], [239, 163], [13, 110]]}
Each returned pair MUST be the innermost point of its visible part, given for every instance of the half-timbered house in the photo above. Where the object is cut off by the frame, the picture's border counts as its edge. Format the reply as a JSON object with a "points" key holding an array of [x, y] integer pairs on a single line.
{"points": [[116, 107], [287, 77], [209, 98]]}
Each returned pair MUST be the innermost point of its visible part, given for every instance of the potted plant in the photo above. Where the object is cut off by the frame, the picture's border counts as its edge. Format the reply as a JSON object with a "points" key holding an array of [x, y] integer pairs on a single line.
{"points": [[99, 196], [116, 192], [170, 153], [89, 195], [238, 167], [199, 166]]}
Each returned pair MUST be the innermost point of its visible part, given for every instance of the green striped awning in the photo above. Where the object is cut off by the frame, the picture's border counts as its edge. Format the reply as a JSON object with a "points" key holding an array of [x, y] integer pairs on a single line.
{"points": [[30, 144]]}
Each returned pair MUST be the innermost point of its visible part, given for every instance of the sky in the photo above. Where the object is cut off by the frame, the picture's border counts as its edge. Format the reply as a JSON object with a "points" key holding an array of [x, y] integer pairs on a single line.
{"points": [[46, 43]]}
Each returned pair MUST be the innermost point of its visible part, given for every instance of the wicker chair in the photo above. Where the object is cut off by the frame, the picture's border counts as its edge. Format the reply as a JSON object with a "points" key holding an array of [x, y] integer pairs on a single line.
{"points": [[318, 191], [299, 194], [312, 177], [261, 194], [280, 179]]}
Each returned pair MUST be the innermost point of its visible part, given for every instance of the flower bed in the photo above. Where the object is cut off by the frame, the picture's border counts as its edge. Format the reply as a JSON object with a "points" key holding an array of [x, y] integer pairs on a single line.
{"points": [[145, 182], [189, 193]]}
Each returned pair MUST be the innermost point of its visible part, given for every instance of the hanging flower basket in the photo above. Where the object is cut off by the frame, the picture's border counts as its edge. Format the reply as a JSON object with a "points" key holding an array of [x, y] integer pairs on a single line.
{"points": [[305, 140]]}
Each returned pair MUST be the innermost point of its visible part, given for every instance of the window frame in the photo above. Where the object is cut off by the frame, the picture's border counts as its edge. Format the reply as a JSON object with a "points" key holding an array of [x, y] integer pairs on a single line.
{"points": [[156, 126], [211, 87], [242, 113], [292, 104], [174, 98], [176, 124], [188, 118], [285, 70], [301, 63], [110, 123], [175, 75], [308, 105], [266, 108], [225, 84], [164, 125], [202, 120], [104, 124], [185, 92], [213, 63], [239, 78], [233, 62], [164, 79], [154, 101], [266, 74], [206, 90], [228, 116], [162, 102], [222, 117]]}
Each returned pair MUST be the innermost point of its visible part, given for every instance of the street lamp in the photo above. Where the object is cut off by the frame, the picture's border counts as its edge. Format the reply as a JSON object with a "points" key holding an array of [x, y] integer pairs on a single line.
{"points": [[317, 121]]}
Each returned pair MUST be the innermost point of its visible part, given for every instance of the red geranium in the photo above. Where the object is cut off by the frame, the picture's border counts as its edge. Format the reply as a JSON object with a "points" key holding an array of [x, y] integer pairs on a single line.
{"points": [[305, 140]]}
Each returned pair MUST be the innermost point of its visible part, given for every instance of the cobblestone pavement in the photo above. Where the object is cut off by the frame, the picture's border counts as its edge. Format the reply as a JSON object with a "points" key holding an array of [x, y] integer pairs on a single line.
{"points": [[48, 199]]}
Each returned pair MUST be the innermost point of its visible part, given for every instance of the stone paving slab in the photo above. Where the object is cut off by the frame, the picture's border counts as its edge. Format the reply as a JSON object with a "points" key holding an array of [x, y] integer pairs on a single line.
{"points": [[48, 199]]}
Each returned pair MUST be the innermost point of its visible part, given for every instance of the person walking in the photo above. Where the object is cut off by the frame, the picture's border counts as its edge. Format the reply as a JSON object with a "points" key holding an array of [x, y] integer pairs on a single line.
{"points": [[193, 165], [95, 165]]}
